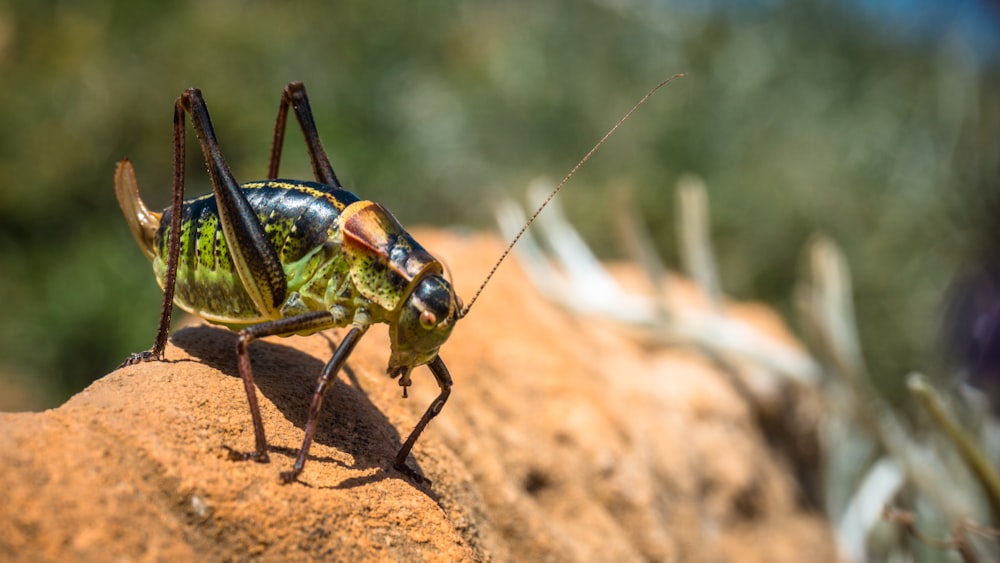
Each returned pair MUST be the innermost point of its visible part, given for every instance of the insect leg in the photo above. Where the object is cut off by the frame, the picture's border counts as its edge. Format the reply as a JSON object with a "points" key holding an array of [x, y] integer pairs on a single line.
{"points": [[294, 95], [173, 248], [255, 259], [443, 378], [314, 321], [329, 373]]}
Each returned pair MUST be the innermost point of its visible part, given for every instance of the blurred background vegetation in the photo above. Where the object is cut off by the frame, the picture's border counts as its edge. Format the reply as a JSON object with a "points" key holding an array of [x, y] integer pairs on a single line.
{"points": [[872, 122]]}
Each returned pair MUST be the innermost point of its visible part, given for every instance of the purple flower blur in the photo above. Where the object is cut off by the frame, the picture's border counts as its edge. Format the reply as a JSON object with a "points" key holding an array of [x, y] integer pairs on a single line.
{"points": [[972, 328]]}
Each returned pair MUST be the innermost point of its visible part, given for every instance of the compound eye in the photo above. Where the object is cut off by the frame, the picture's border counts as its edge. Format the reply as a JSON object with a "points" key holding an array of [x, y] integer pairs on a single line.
{"points": [[427, 319]]}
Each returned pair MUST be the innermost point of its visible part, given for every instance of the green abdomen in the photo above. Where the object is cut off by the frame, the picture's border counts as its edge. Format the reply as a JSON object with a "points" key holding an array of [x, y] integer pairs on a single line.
{"points": [[300, 219]]}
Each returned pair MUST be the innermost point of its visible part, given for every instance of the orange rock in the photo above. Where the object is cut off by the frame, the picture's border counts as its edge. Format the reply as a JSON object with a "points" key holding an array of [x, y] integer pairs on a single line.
{"points": [[564, 439]]}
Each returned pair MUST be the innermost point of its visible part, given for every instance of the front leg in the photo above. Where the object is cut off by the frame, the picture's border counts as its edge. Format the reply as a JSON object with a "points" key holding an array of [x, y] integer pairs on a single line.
{"points": [[443, 378]]}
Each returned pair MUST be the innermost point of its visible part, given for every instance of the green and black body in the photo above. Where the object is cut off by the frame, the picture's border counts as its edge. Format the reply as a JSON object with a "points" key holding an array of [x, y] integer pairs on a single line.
{"points": [[282, 257]]}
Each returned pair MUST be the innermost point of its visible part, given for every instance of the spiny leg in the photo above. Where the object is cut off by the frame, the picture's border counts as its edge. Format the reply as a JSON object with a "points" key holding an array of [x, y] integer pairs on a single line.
{"points": [[443, 378], [255, 260], [300, 323], [173, 247], [329, 373], [294, 95]]}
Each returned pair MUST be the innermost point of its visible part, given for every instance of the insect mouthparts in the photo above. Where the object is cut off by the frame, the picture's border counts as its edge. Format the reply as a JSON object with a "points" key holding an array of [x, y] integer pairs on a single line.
{"points": [[403, 373]]}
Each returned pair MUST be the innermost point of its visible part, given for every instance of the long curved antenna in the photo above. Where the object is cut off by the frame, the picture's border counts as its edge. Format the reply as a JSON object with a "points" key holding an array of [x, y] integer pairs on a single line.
{"points": [[558, 187]]}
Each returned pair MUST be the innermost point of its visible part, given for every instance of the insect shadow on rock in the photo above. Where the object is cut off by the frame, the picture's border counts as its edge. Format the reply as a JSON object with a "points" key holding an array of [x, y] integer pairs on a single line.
{"points": [[284, 378], [283, 257]]}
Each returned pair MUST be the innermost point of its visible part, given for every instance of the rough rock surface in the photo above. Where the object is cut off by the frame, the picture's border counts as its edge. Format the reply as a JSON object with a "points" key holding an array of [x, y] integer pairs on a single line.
{"points": [[564, 440]]}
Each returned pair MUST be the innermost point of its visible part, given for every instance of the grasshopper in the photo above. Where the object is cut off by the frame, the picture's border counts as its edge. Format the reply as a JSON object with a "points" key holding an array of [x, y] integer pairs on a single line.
{"points": [[284, 257]]}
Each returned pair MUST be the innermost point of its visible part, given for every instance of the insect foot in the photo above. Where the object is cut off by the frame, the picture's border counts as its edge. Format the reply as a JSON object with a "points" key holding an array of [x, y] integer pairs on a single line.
{"points": [[411, 474], [139, 357], [235, 455]]}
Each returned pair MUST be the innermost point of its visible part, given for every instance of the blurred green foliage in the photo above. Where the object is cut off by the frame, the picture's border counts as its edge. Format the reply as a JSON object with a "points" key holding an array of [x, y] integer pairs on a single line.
{"points": [[800, 116]]}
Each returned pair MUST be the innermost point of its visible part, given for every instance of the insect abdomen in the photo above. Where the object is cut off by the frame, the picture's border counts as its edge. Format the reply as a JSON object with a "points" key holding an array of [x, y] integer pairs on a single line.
{"points": [[300, 219]]}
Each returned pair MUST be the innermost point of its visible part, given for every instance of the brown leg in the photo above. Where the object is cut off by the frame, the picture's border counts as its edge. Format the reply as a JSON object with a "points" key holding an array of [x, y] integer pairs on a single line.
{"points": [[295, 95], [173, 248], [308, 321], [326, 378], [443, 378]]}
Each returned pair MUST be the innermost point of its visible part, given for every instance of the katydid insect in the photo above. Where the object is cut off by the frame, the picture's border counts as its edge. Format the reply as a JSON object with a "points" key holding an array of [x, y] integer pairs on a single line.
{"points": [[284, 257]]}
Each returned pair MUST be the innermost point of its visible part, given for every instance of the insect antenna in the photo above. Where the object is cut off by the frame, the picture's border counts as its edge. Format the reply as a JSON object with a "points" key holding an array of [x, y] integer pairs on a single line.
{"points": [[552, 194]]}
